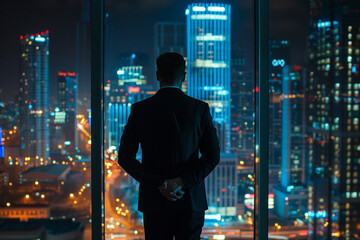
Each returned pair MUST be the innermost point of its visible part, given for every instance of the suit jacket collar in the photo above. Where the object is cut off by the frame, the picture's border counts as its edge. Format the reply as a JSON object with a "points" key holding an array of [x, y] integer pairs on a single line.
{"points": [[170, 90]]}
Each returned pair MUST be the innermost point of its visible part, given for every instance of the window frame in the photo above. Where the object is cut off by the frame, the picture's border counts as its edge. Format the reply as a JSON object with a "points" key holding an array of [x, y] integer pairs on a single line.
{"points": [[261, 166]]}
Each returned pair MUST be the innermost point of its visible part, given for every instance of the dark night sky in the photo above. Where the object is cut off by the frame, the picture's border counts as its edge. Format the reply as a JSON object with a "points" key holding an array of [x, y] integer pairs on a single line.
{"points": [[131, 29]]}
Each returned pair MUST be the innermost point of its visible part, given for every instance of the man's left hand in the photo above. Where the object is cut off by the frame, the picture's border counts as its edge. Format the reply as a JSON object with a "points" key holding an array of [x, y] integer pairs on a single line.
{"points": [[172, 189]]}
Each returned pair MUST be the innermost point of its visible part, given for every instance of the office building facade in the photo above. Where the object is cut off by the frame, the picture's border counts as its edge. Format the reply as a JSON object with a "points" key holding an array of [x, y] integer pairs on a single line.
{"points": [[34, 98], [333, 119], [208, 54], [291, 194], [67, 100]]}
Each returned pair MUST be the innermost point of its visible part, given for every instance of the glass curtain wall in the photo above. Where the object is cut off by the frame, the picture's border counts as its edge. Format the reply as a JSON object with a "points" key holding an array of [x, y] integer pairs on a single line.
{"points": [[216, 40], [45, 120], [314, 126]]}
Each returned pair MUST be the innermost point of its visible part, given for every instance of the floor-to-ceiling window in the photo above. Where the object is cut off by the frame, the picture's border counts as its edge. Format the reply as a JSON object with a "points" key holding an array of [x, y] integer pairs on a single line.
{"points": [[45, 120], [216, 40], [314, 82]]}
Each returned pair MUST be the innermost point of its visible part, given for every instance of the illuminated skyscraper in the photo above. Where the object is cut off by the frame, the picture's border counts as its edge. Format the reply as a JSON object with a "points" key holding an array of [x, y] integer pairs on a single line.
{"points": [[118, 116], [34, 97], [290, 194], [121, 94], [67, 99], [242, 106], [208, 53], [333, 119], [2, 151], [279, 58]]}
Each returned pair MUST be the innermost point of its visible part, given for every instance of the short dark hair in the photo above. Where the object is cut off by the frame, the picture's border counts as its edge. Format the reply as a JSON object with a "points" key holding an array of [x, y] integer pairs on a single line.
{"points": [[171, 66]]}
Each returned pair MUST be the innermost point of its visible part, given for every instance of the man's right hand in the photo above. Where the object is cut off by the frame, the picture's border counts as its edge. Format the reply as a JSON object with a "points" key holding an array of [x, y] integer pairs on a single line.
{"points": [[172, 189]]}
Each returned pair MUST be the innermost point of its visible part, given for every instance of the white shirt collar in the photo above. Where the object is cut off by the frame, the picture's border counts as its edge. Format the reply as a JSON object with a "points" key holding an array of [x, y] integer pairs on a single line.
{"points": [[170, 87]]}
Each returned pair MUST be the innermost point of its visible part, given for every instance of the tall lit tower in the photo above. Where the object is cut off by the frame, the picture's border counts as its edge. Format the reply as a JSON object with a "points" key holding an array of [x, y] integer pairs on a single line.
{"points": [[34, 97], [333, 119], [209, 61], [67, 98]]}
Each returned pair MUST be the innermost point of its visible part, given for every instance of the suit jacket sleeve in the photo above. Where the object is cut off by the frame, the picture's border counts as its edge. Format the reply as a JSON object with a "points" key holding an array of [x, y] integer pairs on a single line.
{"points": [[210, 153], [129, 145]]}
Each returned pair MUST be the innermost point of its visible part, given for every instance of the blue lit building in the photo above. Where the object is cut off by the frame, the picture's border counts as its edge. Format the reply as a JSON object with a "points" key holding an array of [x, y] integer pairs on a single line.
{"points": [[34, 98], [129, 88], [67, 100], [118, 116], [128, 75], [208, 53], [2, 151], [279, 54], [291, 194], [208, 79]]}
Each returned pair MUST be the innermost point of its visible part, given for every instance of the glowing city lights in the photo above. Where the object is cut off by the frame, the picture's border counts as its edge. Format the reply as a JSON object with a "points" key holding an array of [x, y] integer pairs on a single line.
{"points": [[199, 9], [216, 9]]}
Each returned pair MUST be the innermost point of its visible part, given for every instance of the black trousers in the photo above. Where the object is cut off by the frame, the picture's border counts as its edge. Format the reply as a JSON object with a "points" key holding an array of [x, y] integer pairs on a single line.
{"points": [[180, 223]]}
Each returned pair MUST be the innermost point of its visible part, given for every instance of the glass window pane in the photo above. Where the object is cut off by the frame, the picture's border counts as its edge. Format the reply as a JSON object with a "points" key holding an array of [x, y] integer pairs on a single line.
{"points": [[44, 120], [216, 40], [314, 133]]}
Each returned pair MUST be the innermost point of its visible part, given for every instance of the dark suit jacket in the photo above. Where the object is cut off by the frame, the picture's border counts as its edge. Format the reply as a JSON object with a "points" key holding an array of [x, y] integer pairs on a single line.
{"points": [[171, 128]]}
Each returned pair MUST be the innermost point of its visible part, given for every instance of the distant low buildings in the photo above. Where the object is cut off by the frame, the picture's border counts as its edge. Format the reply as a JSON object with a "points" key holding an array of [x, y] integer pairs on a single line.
{"points": [[24, 212], [50, 177], [41, 229]]}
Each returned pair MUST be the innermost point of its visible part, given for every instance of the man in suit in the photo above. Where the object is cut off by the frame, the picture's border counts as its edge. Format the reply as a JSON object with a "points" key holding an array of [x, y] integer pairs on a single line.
{"points": [[172, 128]]}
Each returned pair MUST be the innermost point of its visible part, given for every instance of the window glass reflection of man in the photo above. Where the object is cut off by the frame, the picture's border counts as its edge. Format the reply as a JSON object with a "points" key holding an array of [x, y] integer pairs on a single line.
{"points": [[172, 128]]}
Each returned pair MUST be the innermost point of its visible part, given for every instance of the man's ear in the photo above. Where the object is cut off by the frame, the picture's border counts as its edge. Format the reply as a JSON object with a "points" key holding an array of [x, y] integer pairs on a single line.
{"points": [[157, 76], [183, 79]]}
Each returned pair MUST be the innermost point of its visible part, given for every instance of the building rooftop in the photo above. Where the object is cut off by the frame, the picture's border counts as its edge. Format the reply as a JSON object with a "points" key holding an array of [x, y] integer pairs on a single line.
{"points": [[52, 226], [53, 169]]}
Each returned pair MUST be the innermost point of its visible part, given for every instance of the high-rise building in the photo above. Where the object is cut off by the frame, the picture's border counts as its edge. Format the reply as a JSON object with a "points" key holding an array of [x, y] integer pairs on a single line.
{"points": [[221, 187], [67, 101], [208, 54], [129, 88], [291, 194], [118, 116], [333, 119], [208, 79], [279, 58], [130, 75], [242, 106], [34, 97]]}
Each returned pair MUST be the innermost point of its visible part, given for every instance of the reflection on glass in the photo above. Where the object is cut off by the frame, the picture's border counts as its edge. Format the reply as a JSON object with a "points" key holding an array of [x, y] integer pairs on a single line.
{"points": [[45, 133], [219, 71], [314, 126]]}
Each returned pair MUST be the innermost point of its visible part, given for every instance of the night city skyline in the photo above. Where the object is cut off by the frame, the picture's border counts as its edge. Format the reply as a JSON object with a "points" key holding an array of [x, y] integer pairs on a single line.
{"points": [[45, 16], [314, 136]]}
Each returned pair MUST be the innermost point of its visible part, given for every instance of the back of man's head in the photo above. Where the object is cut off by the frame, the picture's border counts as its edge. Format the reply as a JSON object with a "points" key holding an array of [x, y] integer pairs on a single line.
{"points": [[170, 67]]}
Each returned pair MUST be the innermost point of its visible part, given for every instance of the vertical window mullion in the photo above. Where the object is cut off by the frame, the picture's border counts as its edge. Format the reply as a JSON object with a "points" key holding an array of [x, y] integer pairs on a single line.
{"points": [[97, 77], [262, 119]]}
